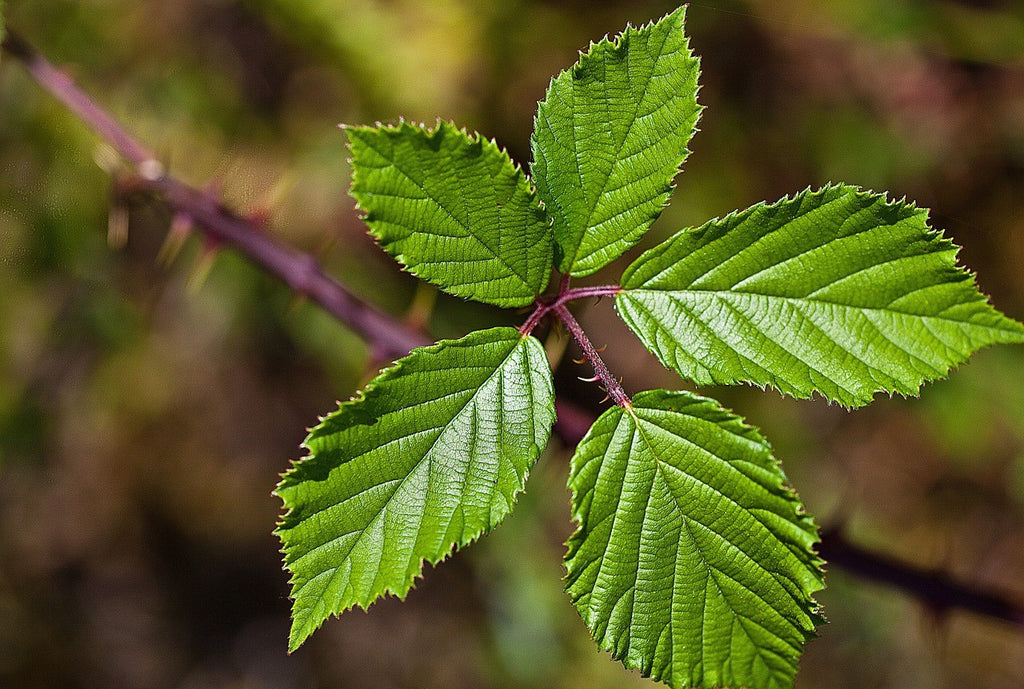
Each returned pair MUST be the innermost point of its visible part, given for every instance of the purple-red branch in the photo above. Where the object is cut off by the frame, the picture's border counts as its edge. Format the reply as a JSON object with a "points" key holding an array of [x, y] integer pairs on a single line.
{"points": [[302, 274], [597, 291], [564, 296], [296, 269], [61, 87], [590, 353], [556, 305]]}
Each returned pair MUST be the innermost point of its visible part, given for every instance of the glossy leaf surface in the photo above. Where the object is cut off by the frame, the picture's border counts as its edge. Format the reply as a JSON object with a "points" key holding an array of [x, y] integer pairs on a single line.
{"points": [[837, 291], [431, 455], [610, 136], [453, 209]]}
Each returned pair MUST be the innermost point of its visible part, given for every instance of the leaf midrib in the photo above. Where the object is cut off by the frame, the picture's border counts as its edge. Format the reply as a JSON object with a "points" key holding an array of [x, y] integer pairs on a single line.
{"points": [[734, 223], [412, 469], [629, 130], [661, 465], [725, 293]]}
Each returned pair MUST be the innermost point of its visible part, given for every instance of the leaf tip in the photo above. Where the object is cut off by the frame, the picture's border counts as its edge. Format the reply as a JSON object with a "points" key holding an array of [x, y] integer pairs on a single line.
{"points": [[300, 631]]}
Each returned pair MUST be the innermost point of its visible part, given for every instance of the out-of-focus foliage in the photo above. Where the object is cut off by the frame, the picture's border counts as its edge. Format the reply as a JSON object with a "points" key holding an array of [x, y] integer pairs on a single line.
{"points": [[146, 409]]}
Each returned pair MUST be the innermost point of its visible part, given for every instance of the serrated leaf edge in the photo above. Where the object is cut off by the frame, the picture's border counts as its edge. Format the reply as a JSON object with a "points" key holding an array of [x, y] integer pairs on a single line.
{"points": [[813, 608], [391, 371], [473, 138], [943, 244], [615, 43]]}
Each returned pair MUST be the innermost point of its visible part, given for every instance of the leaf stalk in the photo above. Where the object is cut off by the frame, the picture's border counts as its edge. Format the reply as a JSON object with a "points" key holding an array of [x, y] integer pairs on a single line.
{"points": [[610, 383]]}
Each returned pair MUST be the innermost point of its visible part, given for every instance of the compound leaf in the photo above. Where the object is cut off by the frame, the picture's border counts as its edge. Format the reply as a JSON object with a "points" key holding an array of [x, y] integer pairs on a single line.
{"points": [[609, 137], [453, 209], [692, 560], [837, 291], [431, 455]]}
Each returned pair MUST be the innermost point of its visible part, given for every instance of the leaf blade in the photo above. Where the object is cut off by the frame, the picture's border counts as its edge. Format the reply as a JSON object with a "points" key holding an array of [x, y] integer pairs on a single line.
{"points": [[686, 529], [609, 137], [453, 209], [836, 291], [429, 457]]}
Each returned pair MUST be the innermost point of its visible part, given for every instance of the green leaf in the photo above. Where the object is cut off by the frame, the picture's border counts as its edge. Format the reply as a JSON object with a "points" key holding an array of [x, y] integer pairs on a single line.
{"points": [[609, 137], [430, 456], [692, 560], [837, 291], [453, 209]]}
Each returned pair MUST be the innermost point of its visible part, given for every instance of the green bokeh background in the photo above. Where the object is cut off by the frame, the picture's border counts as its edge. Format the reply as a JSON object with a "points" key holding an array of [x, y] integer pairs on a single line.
{"points": [[148, 406]]}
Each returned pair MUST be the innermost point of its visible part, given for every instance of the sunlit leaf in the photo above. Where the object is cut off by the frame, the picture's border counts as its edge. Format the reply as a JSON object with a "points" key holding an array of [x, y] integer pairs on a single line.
{"points": [[610, 135], [453, 209], [837, 291], [431, 455]]}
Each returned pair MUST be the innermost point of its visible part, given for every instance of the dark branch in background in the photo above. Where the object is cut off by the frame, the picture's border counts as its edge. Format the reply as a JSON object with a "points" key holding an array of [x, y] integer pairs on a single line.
{"points": [[934, 588], [298, 270], [392, 339]]}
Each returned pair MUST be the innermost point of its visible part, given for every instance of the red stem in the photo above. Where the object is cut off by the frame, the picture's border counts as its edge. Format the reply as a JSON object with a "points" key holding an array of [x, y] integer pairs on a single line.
{"points": [[565, 295], [611, 385], [300, 272], [535, 318], [587, 292]]}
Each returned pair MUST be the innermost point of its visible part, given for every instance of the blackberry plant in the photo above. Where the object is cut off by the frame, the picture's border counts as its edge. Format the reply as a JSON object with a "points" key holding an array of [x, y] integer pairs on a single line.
{"points": [[692, 559]]}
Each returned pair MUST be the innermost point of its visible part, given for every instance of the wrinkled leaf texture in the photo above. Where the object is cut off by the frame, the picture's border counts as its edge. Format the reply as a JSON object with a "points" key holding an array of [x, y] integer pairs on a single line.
{"points": [[837, 291], [609, 137], [453, 209], [692, 560], [432, 454]]}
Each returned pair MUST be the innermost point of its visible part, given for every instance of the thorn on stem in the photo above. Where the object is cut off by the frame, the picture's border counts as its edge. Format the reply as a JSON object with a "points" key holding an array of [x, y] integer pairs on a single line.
{"points": [[117, 226], [181, 228], [107, 158], [203, 264], [259, 217]]}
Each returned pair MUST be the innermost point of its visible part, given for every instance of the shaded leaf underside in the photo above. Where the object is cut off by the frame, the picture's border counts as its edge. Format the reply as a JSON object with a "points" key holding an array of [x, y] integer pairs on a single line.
{"points": [[692, 561], [430, 456], [837, 291]]}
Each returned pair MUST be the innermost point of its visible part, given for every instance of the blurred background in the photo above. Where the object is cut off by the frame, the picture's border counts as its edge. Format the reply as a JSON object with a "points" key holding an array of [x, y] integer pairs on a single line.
{"points": [[147, 405]]}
